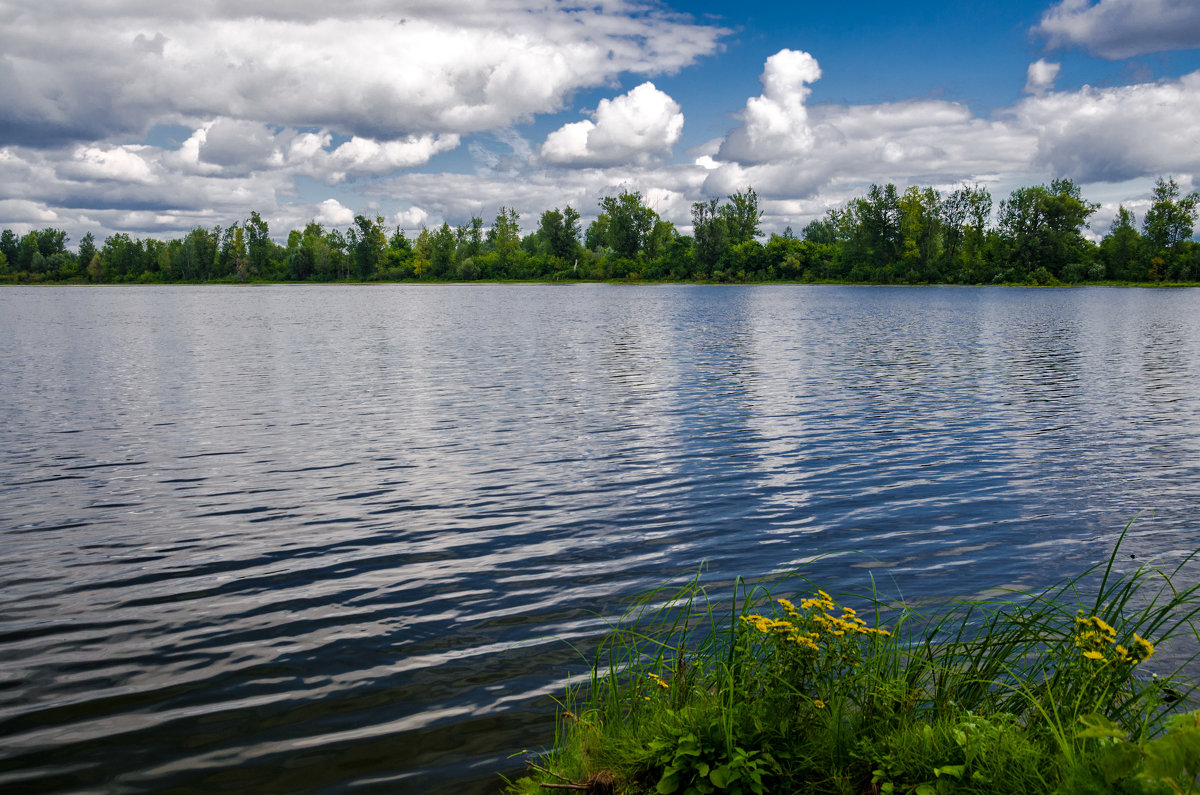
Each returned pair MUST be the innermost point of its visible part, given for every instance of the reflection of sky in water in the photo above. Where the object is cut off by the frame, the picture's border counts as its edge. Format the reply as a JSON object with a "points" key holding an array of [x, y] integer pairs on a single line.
{"points": [[358, 523]]}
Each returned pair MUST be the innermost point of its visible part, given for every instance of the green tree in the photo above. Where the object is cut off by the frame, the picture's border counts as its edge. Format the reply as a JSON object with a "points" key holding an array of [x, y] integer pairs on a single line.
{"points": [[259, 246], [234, 260], [742, 217], [661, 235], [629, 223], [558, 234], [197, 251], [156, 261], [869, 230], [122, 256], [976, 235], [596, 237], [1041, 229], [1168, 229], [1122, 251], [95, 268], [29, 247], [442, 248], [10, 246], [469, 238], [87, 247], [367, 242], [421, 253], [399, 256], [822, 231], [504, 240], [710, 233], [921, 234]]}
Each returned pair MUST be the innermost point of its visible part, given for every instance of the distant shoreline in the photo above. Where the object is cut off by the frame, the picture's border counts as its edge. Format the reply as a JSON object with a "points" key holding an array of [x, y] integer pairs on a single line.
{"points": [[571, 282]]}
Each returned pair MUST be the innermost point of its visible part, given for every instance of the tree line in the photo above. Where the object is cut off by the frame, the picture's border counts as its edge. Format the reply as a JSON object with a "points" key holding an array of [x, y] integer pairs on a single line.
{"points": [[918, 236]]}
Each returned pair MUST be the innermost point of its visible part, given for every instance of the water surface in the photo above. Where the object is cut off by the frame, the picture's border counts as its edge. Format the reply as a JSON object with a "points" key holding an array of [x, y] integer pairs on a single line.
{"points": [[323, 539]]}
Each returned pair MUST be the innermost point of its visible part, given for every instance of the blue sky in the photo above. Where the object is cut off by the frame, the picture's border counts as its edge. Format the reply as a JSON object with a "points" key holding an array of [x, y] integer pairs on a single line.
{"points": [[140, 117]]}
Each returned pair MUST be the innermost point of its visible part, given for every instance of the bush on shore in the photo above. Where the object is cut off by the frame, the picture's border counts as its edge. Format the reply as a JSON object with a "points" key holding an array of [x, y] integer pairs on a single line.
{"points": [[1041, 692]]}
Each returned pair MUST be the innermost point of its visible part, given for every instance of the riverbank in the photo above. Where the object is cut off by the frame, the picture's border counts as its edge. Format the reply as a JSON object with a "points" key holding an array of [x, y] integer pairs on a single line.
{"points": [[419, 282], [1065, 690]]}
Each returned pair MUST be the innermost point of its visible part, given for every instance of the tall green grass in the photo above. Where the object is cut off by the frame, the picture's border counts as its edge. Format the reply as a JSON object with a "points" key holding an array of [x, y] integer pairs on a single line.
{"points": [[1046, 691]]}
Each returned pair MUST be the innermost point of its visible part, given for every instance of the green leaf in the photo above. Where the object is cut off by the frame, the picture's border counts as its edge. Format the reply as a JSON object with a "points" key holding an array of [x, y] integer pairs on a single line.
{"points": [[1099, 726], [668, 784], [955, 771], [720, 776], [1117, 762], [702, 769], [1175, 755], [688, 745]]}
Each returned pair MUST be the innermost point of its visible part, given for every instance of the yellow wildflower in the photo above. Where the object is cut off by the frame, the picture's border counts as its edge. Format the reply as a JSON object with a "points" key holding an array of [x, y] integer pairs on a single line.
{"points": [[818, 703], [1093, 655], [658, 680], [1145, 647]]}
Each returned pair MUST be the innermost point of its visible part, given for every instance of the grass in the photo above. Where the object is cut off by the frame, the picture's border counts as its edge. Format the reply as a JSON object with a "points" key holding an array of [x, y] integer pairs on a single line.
{"points": [[1039, 692]]}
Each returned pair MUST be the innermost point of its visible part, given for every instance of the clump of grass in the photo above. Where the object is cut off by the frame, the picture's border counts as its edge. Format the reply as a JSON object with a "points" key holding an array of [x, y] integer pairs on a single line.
{"points": [[1040, 692]]}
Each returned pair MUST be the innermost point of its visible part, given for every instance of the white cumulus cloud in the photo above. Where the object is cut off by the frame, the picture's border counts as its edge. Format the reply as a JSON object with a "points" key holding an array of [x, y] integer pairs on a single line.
{"points": [[1117, 134], [632, 127], [367, 157], [377, 70], [410, 219], [775, 124], [119, 163], [1040, 76], [1122, 28], [332, 212]]}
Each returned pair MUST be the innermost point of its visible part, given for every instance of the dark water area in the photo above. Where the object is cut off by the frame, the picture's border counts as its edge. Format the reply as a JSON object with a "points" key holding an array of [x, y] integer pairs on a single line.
{"points": [[292, 539]]}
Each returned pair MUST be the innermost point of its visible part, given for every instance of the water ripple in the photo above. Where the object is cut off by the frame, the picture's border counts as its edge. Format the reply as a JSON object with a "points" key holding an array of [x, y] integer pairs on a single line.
{"points": [[294, 539]]}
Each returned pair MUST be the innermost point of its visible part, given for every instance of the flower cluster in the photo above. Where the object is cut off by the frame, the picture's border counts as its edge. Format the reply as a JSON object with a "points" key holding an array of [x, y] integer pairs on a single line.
{"points": [[814, 619], [1097, 640]]}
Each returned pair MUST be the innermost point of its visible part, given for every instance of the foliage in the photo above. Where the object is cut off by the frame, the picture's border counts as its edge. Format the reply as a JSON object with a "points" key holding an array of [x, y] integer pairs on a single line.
{"points": [[1038, 693], [628, 223], [915, 236]]}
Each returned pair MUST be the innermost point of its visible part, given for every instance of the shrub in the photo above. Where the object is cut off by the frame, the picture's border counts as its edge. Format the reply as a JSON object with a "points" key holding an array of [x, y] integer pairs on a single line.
{"points": [[1041, 692]]}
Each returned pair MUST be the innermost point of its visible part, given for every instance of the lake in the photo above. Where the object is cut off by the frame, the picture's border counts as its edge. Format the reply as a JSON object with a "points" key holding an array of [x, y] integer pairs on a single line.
{"points": [[329, 538]]}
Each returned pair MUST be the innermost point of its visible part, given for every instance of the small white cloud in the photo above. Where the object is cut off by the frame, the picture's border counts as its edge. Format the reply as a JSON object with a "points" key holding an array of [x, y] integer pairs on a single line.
{"points": [[230, 147], [775, 124], [1122, 28], [21, 211], [636, 126], [120, 164], [365, 156], [332, 212], [412, 218], [1041, 76]]}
